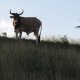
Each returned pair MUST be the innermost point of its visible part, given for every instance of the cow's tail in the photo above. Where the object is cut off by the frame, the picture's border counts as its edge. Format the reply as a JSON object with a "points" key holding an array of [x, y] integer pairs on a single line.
{"points": [[40, 33]]}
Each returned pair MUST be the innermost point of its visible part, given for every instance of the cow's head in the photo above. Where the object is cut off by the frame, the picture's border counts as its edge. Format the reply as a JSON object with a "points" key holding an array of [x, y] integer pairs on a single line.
{"points": [[16, 17]]}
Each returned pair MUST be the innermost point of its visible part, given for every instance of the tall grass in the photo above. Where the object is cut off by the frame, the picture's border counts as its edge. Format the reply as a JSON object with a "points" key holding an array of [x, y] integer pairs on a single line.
{"points": [[24, 60]]}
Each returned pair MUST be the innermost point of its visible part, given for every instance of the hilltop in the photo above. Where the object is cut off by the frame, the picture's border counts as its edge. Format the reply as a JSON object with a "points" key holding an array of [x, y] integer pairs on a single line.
{"points": [[25, 60]]}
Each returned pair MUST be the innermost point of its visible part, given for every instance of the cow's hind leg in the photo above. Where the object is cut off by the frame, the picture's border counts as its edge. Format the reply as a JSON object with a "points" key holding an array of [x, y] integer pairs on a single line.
{"points": [[39, 38], [36, 35]]}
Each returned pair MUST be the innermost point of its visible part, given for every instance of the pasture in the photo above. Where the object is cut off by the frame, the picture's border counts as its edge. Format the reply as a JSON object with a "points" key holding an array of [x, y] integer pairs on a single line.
{"points": [[24, 60]]}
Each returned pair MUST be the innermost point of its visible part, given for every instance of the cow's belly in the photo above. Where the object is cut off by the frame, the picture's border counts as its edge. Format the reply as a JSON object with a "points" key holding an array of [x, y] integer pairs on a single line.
{"points": [[27, 30]]}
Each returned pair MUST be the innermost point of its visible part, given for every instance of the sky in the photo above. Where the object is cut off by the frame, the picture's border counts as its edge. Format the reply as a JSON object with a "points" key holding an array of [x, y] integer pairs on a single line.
{"points": [[59, 17]]}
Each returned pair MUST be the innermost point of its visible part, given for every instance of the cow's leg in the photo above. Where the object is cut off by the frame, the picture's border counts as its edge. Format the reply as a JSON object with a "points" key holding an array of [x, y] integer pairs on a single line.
{"points": [[36, 35], [20, 34], [16, 35], [39, 38], [17, 31]]}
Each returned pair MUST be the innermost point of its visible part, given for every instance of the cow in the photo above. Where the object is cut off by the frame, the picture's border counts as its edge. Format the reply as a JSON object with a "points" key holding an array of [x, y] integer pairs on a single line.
{"points": [[26, 24]]}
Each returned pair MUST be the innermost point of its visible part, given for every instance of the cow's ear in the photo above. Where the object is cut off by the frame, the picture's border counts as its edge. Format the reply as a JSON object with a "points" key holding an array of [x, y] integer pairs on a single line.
{"points": [[11, 16]]}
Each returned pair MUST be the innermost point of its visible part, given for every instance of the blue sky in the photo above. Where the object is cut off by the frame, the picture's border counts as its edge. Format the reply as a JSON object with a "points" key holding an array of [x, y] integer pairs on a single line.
{"points": [[59, 17]]}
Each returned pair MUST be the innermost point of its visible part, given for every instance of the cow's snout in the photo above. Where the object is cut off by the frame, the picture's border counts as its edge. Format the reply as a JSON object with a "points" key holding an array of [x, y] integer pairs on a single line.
{"points": [[15, 22]]}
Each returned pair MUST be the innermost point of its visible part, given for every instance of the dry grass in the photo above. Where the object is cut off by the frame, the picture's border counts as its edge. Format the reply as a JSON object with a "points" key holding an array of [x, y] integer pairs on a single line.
{"points": [[24, 60]]}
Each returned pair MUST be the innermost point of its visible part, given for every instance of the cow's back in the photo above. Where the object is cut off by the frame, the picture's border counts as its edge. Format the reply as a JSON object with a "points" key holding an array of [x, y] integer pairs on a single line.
{"points": [[30, 23]]}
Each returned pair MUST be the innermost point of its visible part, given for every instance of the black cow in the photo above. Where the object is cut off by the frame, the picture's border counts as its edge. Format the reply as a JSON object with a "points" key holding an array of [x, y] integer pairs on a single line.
{"points": [[26, 24]]}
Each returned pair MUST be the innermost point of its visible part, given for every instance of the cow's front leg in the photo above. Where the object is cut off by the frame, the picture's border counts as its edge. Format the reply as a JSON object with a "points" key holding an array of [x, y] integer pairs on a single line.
{"points": [[16, 35], [20, 34], [17, 31]]}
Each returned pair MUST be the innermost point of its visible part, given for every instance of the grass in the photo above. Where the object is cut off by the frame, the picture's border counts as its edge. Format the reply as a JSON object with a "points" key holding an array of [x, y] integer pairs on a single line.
{"points": [[24, 60]]}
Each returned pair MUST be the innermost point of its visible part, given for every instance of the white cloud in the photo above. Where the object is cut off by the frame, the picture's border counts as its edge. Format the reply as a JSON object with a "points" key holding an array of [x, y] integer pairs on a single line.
{"points": [[6, 26]]}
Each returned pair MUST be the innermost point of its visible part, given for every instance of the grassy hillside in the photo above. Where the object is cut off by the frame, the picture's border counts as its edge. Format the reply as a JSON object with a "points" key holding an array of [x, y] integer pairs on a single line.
{"points": [[24, 60]]}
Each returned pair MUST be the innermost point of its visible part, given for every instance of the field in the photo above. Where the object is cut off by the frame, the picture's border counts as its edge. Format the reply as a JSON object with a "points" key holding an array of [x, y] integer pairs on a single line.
{"points": [[25, 60]]}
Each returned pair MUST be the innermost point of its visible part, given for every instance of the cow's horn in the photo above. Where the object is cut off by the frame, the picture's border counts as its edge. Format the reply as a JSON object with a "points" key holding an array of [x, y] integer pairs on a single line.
{"points": [[21, 12], [11, 12]]}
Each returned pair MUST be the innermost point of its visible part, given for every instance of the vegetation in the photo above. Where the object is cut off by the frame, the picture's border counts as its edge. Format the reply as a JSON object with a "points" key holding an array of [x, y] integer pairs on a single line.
{"points": [[24, 60]]}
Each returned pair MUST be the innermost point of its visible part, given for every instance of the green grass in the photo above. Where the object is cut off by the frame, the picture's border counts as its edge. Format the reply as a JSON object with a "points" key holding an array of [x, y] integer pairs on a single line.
{"points": [[25, 60]]}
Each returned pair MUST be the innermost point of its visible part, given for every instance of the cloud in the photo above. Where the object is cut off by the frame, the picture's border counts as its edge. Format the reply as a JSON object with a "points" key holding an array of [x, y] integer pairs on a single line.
{"points": [[6, 26]]}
